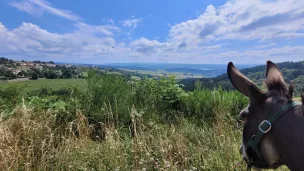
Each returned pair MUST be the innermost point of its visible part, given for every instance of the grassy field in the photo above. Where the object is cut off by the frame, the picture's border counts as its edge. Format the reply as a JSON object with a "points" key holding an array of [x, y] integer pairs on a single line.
{"points": [[54, 84]]}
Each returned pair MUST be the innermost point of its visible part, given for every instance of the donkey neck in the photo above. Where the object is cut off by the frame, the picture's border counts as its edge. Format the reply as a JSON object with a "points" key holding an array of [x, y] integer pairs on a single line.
{"points": [[288, 138]]}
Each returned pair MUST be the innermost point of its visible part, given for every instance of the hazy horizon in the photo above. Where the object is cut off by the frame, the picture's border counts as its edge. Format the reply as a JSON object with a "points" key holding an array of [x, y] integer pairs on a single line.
{"points": [[169, 63]]}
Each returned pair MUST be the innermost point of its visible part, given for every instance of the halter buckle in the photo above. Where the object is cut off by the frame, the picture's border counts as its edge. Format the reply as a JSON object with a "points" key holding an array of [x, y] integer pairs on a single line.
{"points": [[262, 123]]}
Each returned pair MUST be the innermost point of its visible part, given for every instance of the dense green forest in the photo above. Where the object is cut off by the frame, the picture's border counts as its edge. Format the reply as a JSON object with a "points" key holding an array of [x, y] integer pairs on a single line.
{"points": [[292, 71]]}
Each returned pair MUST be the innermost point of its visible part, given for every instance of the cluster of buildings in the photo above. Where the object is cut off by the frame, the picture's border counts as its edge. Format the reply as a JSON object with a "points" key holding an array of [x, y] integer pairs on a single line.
{"points": [[36, 65], [28, 65]]}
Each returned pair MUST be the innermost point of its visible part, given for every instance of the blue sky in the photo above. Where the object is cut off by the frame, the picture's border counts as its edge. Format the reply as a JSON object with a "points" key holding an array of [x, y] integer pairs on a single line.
{"points": [[192, 31]]}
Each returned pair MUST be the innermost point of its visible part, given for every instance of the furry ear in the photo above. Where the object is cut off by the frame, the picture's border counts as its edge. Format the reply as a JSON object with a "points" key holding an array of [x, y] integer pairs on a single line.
{"points": [[243, 84], [274, 79]]}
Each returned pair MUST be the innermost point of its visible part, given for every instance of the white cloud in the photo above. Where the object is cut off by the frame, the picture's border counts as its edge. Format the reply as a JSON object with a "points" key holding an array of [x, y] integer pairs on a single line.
{"points": [[244, 20], [38, 7], [277, 54], [195, 40], [144, 45], [97, 44], [30, 40], [132, 22], [2, 28]]}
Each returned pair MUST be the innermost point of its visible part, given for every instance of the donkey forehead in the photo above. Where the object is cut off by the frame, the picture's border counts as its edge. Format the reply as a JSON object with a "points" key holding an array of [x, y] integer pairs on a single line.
{"points": [[276, 93], [267, 106], [275, 98], [272, 98]]}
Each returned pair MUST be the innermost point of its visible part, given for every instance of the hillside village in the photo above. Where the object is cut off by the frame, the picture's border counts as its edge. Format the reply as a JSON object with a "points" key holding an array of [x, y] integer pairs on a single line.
{"points": [[28, 65], [24, 70], [10, 69]]}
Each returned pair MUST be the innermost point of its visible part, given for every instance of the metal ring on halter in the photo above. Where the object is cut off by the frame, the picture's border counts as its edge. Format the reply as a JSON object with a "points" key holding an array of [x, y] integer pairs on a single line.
{"points": [[268, 129]]}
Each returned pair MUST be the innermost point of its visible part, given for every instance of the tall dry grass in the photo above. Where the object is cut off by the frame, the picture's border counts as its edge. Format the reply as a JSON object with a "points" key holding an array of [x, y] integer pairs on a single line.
{"points": [[27, 141], [30, 141]]}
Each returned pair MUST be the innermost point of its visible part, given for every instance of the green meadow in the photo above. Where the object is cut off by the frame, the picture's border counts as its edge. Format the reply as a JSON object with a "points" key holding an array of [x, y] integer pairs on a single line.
{"points": [[31, 85]]}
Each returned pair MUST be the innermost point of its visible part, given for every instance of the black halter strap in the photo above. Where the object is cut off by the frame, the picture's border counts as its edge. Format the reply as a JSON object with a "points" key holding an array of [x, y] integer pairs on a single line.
{"points": [[264, 128]]}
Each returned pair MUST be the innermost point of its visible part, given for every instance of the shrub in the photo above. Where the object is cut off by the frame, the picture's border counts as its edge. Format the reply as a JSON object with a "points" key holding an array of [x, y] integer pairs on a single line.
{"points": [[205, 105], [10, 96], [51, 74], [158, 96], [34, 76], [103, 93]]}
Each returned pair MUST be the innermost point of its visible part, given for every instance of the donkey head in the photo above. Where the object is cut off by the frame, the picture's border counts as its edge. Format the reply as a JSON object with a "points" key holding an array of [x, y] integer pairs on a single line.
{"points": [[262, 104]]}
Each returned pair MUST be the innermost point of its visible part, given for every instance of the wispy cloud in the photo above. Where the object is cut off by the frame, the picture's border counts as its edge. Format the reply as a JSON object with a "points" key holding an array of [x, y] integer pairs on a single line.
{"points": [[111, 21], [267, 45], [132, 22], [108, 21], [38, 7], [97, 30]]}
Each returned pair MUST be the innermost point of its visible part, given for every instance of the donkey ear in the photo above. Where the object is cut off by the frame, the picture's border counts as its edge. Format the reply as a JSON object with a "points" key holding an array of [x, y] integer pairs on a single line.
{"points": [[274, 78], [242, 83]]}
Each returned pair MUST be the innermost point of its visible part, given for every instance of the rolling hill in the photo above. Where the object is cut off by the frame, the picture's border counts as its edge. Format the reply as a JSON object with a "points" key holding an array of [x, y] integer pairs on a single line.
{"points": [[292, 71]]}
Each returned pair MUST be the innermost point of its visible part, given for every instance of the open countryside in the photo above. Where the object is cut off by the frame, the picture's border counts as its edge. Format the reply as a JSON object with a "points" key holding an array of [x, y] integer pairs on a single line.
{"points": [[151, 85], [160, 101]]}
